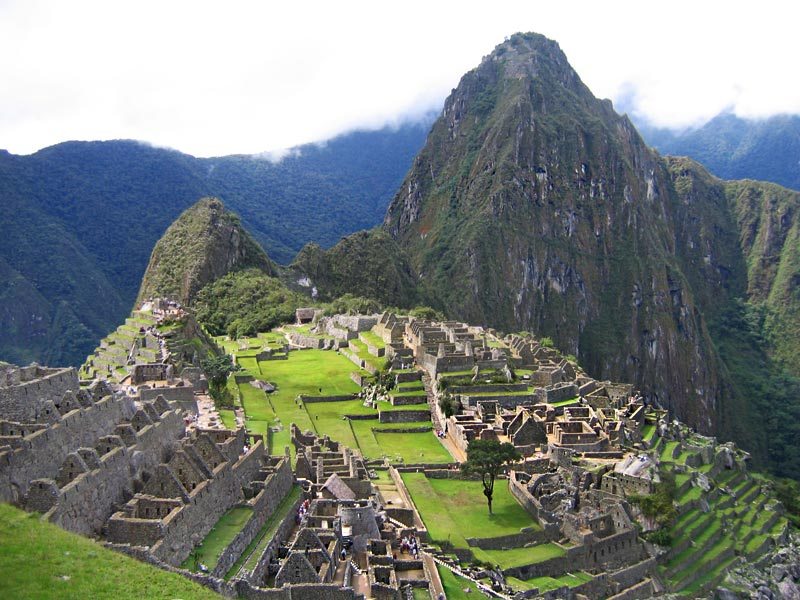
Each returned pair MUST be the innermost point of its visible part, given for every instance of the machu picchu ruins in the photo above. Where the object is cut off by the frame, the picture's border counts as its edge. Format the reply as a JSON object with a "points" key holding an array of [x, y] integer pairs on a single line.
{"points": [[323, 495]]}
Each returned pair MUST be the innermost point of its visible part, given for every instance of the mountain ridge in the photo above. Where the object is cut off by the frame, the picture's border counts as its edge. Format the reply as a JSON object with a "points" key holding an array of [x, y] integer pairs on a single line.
{"points": [[106, 204], [533, 205]]}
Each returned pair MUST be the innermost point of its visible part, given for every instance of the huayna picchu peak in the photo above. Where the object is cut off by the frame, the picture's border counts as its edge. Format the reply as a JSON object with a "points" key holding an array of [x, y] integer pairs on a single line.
{"points": [[205, 243], [563, 367], [534, 206]]}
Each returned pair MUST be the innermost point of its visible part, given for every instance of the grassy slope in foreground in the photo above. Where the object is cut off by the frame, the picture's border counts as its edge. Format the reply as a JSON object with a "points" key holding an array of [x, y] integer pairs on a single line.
{"points": [[39, 560]]}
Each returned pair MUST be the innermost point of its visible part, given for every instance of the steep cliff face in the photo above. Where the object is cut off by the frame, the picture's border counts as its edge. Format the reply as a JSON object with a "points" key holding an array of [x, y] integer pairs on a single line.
{"points": [[535, 206], [203, 244]]}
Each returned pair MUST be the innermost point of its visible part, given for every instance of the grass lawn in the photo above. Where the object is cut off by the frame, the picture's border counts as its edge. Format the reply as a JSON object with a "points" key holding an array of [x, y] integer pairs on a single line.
{"points": [[457, 509], [667, 450], [546, 584], [373, 339], [407, 386], [517, 557], [228, 417], [454, 585], [259, 414], [40, 561], [454, 510], [222, 534], [413, 447], [416, 392], [308, 371], [410, 447], [305, 372], [567, 402], [360, 349]]}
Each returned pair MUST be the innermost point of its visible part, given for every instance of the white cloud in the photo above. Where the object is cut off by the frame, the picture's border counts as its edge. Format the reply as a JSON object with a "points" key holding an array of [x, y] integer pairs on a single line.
{"points": [[213, 78]]}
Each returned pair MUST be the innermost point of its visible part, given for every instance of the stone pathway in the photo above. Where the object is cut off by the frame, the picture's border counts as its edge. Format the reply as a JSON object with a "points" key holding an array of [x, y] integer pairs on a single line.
{"points": [[453, 449], [208, 417]]}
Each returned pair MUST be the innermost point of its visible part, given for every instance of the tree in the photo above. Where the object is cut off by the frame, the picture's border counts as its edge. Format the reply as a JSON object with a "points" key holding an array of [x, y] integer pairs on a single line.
{"points": [[488, 458], [217, 369], [448, 404]]}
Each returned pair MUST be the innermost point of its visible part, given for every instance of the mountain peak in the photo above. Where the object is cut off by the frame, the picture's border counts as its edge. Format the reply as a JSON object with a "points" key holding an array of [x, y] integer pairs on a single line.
{"points": [[204, 243]]}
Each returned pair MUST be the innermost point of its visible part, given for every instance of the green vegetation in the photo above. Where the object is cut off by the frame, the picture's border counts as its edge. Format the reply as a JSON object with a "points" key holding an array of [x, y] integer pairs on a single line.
{"points": [[77, 265], [488, 459], [454, 585], [222, 534], [369, 264], [42, 561], [246, 302], [319, 372], [766, 392], [659, 505], [738, 521], [451, 510], [204, 243], [546, 584], [217, 369], [411, 447], [735, 148]]}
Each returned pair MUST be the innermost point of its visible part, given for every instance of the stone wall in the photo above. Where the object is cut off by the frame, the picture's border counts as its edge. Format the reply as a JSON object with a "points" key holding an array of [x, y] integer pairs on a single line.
{"points": [[276, 486], [340, 398], [85, 504], [357, 323], [514, 540], [25, 400], [306, 341], [183, 395], [41, 454], [187, 525], [628, 576], [503, 400], [403, 416], [259, 574], [148, 372]]}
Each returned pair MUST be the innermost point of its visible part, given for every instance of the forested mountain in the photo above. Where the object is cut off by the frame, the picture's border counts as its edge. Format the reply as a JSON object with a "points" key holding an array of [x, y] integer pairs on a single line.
{"points": [[534, 206], [735, 148], [81, 218]]}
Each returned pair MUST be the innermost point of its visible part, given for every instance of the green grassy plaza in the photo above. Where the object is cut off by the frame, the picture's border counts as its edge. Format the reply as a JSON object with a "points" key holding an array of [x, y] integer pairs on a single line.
{"points": [[454, 510], [327, 373]]}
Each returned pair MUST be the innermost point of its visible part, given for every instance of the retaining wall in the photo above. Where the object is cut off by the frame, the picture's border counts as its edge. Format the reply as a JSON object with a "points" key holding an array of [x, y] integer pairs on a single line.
{"points": [[276, 486]]}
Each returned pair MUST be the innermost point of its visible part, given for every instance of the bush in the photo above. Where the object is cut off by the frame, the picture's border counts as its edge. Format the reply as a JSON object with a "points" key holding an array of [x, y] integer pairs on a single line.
{"points": [[661, 537]]}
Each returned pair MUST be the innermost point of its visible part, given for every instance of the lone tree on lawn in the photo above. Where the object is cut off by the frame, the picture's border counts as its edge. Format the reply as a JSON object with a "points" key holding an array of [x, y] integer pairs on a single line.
{"points": [[488, 458], [217, 370]]}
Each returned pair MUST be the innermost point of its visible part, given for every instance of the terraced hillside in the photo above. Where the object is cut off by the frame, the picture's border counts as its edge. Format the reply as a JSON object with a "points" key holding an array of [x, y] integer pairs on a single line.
{"points": [[725, 515], [145, 338]]}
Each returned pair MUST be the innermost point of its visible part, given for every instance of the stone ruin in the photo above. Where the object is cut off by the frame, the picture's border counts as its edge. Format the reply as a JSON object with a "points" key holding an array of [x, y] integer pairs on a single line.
{"points": [[344, 511], [597, 528]]}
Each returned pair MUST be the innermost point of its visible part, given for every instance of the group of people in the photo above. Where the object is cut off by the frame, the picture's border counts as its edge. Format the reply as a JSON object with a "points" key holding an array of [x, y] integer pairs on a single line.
{"points": [[409, 544], [441, 433], [301, 512]]}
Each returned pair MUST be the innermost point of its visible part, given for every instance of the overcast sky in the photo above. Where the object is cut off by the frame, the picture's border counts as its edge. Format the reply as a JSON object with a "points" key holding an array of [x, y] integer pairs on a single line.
{"points": [[213, 78]]}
